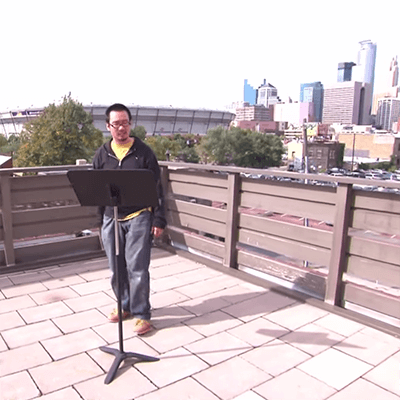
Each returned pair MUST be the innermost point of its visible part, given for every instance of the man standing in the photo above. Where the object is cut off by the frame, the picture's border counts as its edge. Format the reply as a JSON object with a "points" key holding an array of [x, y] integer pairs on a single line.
{"points": [[136, 226]]}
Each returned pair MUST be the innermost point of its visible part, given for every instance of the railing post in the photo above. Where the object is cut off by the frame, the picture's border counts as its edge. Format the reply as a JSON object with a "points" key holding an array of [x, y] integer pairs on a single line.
{"points": [[164, 177], [337, 263], [232, 216], [6, 212]]}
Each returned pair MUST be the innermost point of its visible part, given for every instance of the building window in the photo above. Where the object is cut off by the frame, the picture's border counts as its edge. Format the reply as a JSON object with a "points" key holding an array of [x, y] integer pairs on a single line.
{"points": [[332, 154], [319, 153]]}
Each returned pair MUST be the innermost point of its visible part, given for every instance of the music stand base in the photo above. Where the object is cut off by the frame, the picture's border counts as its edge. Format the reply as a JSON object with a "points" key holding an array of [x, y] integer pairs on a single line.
{"points": [[119, 357]]}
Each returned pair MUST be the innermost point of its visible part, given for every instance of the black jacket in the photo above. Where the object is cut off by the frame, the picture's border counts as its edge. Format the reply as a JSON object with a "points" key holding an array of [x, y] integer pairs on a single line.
{"points": [[139, 156]]}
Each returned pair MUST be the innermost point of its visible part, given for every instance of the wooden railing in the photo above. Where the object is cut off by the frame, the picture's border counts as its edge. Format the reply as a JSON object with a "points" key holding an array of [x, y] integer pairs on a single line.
{"points": [[321, 235]]}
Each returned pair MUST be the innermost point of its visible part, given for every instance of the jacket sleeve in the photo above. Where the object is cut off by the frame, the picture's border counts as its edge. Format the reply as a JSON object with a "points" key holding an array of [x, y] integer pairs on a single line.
{"points": [[159, 211]]}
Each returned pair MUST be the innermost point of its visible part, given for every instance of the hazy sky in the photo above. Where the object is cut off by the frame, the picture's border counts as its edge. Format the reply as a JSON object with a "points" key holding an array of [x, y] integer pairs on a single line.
{"points": [[180, 52]]}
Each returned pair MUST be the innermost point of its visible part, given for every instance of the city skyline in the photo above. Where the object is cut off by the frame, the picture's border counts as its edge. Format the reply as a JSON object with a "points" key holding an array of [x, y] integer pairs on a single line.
{"points": [[181, 54]]}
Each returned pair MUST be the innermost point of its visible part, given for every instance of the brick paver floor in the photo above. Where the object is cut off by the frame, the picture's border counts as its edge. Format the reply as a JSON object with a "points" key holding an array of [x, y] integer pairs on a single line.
{"points": [[216, 336]]}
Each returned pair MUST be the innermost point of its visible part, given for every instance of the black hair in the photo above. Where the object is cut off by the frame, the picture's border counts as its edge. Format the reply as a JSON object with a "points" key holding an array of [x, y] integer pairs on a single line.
{"points": [[117, 107]]}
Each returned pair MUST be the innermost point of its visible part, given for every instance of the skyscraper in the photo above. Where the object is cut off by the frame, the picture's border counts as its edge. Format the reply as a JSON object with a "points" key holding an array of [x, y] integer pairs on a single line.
{"points": [[365, 68], [249, 93], [344, 71], [388, 113], [313, 93], [267, 95]]}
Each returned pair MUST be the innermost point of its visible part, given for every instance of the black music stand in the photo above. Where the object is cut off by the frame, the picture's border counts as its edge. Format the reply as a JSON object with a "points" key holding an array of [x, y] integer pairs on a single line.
{"points": [[116, 188]]}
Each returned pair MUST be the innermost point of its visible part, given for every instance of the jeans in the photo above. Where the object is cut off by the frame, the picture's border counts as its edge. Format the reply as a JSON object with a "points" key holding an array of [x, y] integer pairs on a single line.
{"points": [[135, 247]]}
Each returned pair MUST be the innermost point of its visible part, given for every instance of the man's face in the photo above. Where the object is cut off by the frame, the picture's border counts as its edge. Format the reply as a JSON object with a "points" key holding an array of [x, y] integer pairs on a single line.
{"points": [[119, 126]]}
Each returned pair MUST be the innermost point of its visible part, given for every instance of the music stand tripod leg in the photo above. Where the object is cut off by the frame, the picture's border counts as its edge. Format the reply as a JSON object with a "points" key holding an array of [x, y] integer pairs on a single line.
{"points": [[120, 355]]}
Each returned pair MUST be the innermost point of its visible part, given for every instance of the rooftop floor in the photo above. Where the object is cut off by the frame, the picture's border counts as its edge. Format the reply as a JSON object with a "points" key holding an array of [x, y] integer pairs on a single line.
{"points": [[217, 337]]}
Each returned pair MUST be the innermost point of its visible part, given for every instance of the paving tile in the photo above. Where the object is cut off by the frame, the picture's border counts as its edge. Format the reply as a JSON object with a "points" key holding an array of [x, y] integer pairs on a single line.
{"points": [[312, 339], [231, 378], [275, 357], [335, 368], [29, 277], [3, 346], [20, 290], [167, 298], [110, 331], [172, 366], [258, 331], [79, 321], [63, 281], [296, 316], [2, 297], [166, 283], [168, 316], [5, 282], [128, 384], [196, 275], [175, 268], [96, 275], [18, 386], [186, 389], [30, 334], [65, 373], [204, 304], [47, 311], [366, 348], [63, 394], [73, 343], [92, 287], [22, 358], [52, 296], [241, 292], [386, 375], [218, 348], [382, 336], [10, 320], [16, 303], [249, 396], [211, 285], [258, 306], [212, 323], [171, 338], [294, 384], [340, 325], [362, 389], [93, 300]]}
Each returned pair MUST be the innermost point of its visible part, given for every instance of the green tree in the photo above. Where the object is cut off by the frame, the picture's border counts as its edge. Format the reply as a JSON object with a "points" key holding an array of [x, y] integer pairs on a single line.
{"points": [[138, 131], [160, 145], [59, 136], [243, 148]]}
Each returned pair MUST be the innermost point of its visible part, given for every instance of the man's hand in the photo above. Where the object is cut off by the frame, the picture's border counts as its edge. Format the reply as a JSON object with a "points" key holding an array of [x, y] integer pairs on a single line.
{"points": [[157, 232]]}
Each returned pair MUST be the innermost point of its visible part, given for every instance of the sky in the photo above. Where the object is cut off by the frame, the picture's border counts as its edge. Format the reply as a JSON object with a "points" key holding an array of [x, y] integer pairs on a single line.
{"points": [[181, 53]]}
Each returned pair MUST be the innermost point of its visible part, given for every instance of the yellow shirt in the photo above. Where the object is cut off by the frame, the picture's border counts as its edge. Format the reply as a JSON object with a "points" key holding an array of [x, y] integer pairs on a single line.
{"points": [[121, 151]]}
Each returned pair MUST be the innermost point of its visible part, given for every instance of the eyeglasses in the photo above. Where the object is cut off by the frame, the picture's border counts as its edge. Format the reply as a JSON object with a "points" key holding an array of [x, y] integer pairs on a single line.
{"points": [[116, 125]]}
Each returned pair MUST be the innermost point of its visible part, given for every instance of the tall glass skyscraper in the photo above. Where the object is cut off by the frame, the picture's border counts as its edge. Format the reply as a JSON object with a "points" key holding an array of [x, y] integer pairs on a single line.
{"points": [[344, 71], [365, 70], [249, 93], [313, 93]]}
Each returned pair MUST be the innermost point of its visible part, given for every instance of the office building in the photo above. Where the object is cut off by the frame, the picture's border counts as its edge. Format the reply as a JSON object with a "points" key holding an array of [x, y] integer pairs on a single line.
{"points": [[294, 113], [345, 71], [388, 113], [267, 95], [254, 113], [313, 93], [347, 102], [364, 71]]}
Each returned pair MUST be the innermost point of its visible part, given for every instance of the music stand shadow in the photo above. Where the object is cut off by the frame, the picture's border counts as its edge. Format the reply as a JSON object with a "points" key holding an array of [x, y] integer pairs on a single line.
{"points": [[116, 188]]}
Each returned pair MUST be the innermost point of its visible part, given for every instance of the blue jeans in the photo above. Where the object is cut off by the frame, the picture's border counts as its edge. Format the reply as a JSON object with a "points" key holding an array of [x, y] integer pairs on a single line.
{"points": [[135, 247]]}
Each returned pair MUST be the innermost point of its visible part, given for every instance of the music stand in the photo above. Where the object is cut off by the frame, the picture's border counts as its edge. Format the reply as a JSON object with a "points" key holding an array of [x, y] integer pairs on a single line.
{"points": [[116, 188]]}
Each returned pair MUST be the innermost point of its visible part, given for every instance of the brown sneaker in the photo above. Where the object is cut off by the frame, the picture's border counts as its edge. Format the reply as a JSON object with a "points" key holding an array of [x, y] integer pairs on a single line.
{"points": [[141, 326], [113, 317]]}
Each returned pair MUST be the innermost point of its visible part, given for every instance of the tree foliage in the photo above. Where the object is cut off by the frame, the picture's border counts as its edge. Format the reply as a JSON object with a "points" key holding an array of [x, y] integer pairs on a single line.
{"points": [[138, 131], [243, 148], [59, 136]]}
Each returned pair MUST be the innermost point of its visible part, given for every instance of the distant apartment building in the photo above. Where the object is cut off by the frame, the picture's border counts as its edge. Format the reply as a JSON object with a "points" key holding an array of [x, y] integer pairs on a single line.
{"points": [[313, 93], [347, 102], [388, 113], [294, 113], [345, 71], [322, 155], [370, 148], [254, 113]]}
